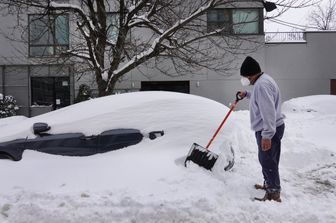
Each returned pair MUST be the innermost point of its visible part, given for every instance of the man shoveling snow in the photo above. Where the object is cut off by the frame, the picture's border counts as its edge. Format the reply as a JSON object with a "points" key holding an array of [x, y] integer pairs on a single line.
{"points": [[267, 122]]}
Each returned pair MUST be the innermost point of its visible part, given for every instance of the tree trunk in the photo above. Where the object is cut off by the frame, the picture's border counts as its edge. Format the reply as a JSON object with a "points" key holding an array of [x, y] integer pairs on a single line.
{"points": [[102, 84]]}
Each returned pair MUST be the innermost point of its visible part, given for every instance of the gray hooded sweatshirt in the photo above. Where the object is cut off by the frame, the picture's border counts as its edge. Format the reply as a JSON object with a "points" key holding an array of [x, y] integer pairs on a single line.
{"points": [[265, 106]]}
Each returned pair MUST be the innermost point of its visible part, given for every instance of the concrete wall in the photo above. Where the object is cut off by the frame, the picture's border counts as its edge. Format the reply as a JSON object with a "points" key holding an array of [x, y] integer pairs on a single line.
{"points": [[300, 69], [207, 83], [15, 80], [16, 83], [303, 69]]}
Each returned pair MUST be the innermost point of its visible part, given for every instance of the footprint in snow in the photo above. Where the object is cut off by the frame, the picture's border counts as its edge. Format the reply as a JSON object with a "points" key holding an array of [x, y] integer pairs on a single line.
{"points": [[4, 210]]}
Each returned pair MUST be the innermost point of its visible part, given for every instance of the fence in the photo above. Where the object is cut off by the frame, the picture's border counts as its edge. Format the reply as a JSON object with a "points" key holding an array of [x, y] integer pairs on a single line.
{"points": [[286, 37]]}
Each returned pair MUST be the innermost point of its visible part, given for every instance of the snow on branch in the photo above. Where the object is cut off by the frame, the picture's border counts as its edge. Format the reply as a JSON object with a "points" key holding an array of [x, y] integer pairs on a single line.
{"points": [[134, 8], [182, 22], [153, 50], [134, 20], [73, 7]]}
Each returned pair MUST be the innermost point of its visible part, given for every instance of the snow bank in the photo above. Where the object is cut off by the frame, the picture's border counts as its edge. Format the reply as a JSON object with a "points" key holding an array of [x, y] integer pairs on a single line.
{"points": [[324, 104], [11, 120], [317, 118], [148, 183]]}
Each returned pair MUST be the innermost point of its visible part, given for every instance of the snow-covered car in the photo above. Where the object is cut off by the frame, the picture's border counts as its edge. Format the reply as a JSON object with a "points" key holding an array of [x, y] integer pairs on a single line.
{"points": [[72, 144], [113, 122]]}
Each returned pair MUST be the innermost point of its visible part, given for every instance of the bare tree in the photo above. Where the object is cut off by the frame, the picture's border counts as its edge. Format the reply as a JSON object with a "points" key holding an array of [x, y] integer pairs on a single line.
{"points": [[323, 17], [113, 37]]}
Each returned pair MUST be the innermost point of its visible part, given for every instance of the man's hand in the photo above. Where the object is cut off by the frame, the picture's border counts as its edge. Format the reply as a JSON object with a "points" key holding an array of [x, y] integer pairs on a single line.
{"points": [[242, 94], [266, 144]]}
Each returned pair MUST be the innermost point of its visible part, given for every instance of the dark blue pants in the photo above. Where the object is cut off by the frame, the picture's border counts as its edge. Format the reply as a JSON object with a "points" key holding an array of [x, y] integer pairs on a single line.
{"points": [[269, 160]]}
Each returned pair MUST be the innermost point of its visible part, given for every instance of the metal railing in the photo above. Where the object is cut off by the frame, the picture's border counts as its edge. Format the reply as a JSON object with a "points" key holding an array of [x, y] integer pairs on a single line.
{"points": [[287, 37]]}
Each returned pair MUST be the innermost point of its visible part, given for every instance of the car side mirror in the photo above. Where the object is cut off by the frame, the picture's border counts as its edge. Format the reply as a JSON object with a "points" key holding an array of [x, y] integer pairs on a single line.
{"points": [[155, 134], [40, 128]]}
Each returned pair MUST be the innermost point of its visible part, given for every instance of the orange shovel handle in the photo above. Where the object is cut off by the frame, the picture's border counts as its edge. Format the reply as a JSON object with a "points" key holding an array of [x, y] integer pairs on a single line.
{"points": [[238, 98]]}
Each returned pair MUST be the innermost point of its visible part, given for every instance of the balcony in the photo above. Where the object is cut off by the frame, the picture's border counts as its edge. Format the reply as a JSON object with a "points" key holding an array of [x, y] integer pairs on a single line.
{"points": [[285, 37]]}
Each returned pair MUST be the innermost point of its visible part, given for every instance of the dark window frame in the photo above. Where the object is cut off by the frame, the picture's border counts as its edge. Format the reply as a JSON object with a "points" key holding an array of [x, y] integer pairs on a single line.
{"points": [[39, 84], [55, 46], [230, 30]]}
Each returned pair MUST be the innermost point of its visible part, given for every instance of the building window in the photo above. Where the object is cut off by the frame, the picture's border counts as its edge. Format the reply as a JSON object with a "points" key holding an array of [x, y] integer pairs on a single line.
{"points": [[245, 21], [50, 91], [112, 23], [219, 19], [42, 91], [48, 34], [235, 21]]}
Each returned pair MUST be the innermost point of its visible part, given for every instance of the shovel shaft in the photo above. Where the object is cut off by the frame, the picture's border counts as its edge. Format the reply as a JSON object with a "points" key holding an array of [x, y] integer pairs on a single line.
{"points": [[220, 126]]}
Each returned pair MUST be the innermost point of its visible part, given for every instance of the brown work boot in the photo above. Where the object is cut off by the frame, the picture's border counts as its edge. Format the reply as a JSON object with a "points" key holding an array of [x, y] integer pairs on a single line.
{"points": [[270, 196]]}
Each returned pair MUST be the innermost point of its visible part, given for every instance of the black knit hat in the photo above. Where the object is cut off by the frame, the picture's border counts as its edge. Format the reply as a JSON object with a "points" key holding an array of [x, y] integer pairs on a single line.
{"points": [[249, 67]]}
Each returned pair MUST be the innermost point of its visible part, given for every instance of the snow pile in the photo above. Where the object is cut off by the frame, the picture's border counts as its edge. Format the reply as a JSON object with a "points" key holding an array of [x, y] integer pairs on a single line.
{"points": [[324, 104], [11, 120], [148, 183], [315, 118]]}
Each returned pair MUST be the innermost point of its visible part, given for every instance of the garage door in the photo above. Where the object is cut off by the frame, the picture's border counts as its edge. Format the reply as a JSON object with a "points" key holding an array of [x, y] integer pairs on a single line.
{"points": [[176, 86]]}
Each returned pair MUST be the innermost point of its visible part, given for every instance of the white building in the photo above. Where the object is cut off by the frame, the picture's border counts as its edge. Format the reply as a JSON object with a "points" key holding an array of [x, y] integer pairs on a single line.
{"points": [[303, 64]]}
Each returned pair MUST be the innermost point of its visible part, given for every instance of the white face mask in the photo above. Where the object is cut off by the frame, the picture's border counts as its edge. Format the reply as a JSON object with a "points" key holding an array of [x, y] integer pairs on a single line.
{"points": [[245, 81]]}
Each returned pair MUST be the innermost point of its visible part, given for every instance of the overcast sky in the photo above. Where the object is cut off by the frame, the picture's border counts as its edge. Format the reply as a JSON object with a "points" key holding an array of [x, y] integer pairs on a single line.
{"points": [[296, 16]]}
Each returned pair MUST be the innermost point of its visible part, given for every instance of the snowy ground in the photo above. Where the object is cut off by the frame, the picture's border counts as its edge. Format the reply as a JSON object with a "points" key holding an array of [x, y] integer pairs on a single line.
{"points": [[148, 183]]}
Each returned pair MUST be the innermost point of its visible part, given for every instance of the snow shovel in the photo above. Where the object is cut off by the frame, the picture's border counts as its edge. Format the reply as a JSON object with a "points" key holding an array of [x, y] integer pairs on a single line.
{"points": [[203, 156]]}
